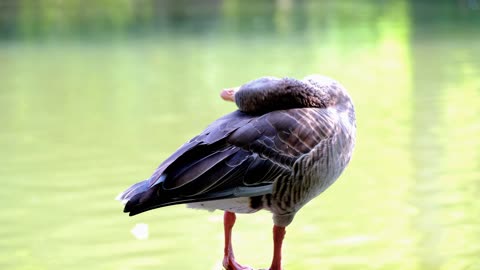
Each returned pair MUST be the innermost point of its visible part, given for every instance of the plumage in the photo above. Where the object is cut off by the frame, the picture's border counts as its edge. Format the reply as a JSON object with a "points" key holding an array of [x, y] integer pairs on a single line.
{"points": [[289, 141]]}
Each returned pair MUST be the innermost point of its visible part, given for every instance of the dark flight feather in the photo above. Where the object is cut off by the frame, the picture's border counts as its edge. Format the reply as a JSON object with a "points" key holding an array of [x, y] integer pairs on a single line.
{"points": [[237, 150]]}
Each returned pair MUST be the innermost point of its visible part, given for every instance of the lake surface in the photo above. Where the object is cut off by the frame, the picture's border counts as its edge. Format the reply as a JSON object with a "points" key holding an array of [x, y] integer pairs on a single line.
{"points": [[94, 96]]}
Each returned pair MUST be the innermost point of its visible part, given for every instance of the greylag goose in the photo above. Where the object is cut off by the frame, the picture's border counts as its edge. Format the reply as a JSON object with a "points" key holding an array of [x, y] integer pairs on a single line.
{"points": [[288, 141]]}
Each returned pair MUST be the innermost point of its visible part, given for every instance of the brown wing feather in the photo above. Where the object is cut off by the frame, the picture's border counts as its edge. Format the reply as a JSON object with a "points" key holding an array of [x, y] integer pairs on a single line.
{"points": [[235, 152]]}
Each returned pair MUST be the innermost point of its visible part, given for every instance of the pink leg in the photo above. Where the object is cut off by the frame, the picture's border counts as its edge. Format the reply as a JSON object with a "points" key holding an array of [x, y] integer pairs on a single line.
{"points": [[229, 260], [278, 235]]}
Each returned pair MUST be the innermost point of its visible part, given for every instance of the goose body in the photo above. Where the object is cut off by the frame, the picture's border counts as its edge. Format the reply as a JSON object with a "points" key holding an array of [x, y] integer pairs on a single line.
{"points": [[288, 141]]}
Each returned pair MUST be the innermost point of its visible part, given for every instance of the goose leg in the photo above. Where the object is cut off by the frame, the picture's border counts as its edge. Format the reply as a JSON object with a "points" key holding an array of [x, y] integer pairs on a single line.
{"points": [[229, 259], [278, 235]]}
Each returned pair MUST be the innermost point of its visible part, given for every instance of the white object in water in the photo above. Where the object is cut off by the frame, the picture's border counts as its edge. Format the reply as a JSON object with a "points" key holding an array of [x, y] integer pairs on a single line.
{"points": [[140, 231]]}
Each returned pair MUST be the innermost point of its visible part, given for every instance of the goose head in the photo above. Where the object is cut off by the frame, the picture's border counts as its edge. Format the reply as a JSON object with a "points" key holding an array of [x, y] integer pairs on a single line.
{"points": [[271, 93]]}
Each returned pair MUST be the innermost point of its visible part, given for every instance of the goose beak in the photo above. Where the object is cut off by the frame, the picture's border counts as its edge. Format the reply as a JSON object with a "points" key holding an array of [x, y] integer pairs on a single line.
{"points": [[229, 94]]}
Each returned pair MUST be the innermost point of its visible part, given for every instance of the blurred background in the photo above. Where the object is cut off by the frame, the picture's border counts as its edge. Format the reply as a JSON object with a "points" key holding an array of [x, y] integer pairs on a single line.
{"points": [[95, 94]]}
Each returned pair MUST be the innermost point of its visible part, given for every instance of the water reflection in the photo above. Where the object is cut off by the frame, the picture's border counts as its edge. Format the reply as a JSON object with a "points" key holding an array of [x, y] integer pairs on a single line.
{"points": [[438, 194], [94, 96]]}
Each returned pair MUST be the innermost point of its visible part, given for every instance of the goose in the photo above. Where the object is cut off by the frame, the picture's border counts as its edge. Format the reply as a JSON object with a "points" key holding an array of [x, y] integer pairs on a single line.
{"points": [[288, 141]]}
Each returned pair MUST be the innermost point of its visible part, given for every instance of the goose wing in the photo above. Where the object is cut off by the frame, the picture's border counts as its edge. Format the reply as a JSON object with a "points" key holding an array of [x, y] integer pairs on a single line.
{"points": [[239, 155]]}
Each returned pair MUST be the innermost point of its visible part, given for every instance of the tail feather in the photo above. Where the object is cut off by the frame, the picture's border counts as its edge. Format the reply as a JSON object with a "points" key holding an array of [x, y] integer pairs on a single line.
{"points": [[138, 198], [141, 202], [129, 193]]}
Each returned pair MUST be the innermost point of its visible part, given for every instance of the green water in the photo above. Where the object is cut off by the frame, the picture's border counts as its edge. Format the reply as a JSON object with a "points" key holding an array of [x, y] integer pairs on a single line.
{"points": [[94, 96]]}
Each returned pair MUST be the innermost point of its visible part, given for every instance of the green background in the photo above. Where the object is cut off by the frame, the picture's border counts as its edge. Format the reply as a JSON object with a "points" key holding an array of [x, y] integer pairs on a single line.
{"points": [[95, 94]]}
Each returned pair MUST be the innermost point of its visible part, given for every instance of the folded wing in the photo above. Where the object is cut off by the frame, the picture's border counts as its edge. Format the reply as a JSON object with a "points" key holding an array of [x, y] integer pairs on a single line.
{"points": [[238, 155]]}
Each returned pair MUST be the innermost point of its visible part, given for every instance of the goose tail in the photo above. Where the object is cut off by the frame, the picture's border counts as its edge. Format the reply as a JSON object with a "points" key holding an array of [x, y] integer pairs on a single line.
{"points": [[129, 193]]}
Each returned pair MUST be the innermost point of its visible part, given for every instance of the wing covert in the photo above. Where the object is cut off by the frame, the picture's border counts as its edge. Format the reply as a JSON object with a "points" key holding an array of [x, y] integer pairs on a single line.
{"points": [[237, 155]]}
